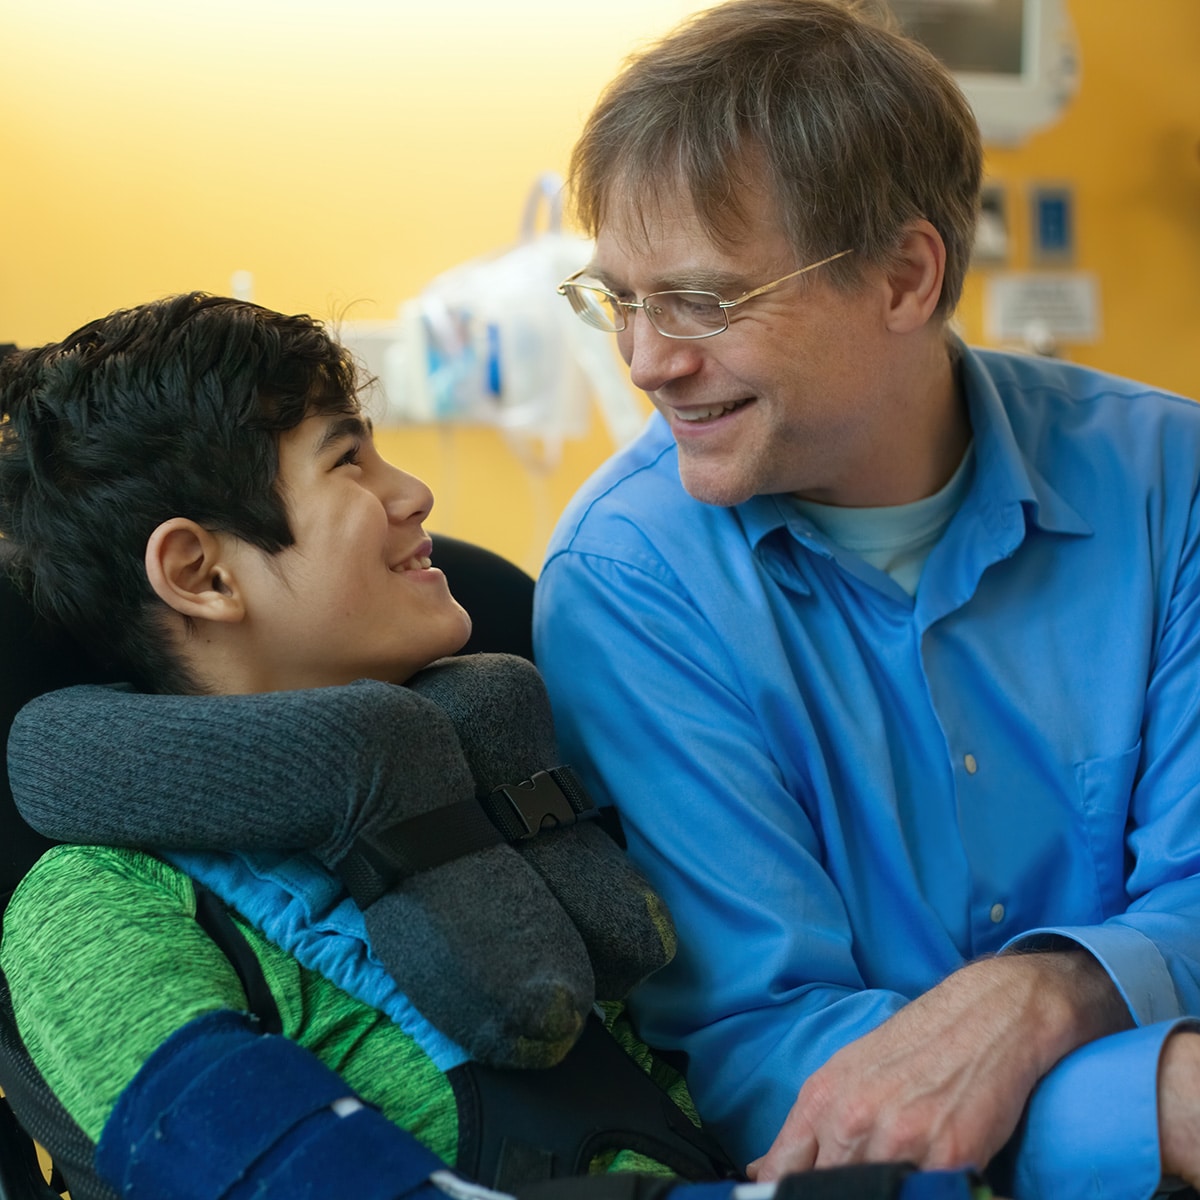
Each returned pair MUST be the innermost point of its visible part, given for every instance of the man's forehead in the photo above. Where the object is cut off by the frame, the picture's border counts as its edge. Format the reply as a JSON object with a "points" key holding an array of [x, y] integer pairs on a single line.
{"points": [[664, 237], [637, 222], [639, 198]]}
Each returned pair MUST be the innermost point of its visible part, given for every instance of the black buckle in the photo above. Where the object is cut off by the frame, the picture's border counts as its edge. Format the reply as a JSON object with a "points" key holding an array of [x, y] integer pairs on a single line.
{"points": [[534, 805]]}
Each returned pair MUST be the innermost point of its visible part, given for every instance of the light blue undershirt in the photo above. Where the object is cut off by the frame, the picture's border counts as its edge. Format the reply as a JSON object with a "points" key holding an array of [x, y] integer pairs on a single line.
{"points": [[845, 791], [897, 539]]}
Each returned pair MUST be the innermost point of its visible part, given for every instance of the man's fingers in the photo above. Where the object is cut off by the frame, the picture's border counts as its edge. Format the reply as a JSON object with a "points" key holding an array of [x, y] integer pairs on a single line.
{"points": [[794, 1149]]}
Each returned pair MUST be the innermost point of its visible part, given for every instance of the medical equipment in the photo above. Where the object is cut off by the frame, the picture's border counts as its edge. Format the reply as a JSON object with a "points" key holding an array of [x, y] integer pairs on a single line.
{"points": [[1015, 60], [489, 341]]}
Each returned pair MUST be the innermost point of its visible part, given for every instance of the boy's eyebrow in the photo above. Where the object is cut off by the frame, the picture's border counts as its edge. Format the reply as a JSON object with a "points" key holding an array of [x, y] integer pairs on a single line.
{"points": [[349, 425]]}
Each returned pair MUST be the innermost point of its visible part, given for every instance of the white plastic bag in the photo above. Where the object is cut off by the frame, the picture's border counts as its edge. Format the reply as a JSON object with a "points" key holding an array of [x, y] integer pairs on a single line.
{"points": [[492, 341]]}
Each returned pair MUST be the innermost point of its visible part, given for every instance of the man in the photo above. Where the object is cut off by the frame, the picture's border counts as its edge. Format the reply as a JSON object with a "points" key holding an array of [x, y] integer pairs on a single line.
{"points": [[883, 648]]}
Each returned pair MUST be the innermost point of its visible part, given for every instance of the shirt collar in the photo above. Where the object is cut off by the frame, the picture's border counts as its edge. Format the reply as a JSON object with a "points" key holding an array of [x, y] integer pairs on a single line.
{"points": [[1004, 477]]}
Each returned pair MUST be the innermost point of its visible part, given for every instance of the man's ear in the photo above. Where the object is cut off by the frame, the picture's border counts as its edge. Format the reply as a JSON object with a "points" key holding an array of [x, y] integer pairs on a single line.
{"points": [[190, 572], [916, 278]]}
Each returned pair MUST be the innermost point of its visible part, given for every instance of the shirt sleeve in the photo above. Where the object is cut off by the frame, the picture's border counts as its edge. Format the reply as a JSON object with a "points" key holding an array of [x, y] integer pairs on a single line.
{"points": [[766, 958], [105, 960], [1106, 1148], [1092, 1123]]}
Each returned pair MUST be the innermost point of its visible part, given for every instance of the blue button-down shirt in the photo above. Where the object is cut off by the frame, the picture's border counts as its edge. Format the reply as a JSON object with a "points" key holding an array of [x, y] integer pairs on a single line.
{"points": [[844, 792]]}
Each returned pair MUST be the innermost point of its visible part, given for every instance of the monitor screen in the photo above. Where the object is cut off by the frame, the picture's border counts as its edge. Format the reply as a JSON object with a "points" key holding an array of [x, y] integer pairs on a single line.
{"points": [[1014, 59], [968, 35]]}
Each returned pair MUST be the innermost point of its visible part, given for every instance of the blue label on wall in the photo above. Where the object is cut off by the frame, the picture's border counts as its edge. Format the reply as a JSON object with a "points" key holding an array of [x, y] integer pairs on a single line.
{"points": [[1053, 225]]}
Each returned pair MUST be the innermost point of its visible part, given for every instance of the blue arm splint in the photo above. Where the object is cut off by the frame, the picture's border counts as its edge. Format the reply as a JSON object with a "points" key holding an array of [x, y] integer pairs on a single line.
{"points": [[222, 1112]]}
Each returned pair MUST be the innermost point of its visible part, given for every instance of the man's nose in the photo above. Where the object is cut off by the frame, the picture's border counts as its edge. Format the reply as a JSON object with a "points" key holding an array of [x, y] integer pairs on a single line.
{"points": [[655, 360]]}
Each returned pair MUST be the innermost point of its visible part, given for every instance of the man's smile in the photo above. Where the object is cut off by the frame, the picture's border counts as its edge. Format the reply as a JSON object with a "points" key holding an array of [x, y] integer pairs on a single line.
{"points": [[706, 414]]}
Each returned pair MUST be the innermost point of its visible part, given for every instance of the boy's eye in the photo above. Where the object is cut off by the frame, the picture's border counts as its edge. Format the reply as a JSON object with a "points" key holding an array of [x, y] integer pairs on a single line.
{"points": [[351, 457]]}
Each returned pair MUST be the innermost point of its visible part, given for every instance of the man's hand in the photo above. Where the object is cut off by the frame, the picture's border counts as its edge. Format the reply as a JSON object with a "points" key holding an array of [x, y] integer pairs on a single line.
{"points": [[1179, 1107], [943, 1083]]}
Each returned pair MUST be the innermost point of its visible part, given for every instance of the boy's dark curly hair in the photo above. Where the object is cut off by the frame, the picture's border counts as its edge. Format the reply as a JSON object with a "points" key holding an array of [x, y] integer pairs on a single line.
{"points": [[170, 409]]}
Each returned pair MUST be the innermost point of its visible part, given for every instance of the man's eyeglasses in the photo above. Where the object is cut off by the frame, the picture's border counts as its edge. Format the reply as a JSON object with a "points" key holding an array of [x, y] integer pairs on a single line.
{"points": [[681, 313]]}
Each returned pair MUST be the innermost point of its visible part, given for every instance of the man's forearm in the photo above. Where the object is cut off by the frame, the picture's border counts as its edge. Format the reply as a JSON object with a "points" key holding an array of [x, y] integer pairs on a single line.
{"points": [[1068, 995]]}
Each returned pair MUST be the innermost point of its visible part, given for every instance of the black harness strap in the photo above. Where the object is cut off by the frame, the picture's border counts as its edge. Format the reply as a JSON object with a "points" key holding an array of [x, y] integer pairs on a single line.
{"points": [[518, 1126], [512, 812], [213, 917], [379, 861]]}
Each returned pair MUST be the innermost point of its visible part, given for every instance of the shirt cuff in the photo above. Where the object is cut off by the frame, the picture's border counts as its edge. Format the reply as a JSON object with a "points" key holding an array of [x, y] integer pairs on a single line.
{"points": [[1133, 962], [1091, 1127]]}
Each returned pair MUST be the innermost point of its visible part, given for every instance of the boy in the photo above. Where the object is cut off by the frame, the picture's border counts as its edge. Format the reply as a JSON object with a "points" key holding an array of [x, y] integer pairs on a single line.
{"points": [[191, 488]]}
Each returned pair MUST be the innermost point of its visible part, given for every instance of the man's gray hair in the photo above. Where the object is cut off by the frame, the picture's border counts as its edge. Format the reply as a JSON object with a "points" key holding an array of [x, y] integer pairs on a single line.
{"points": [[858, 129]]}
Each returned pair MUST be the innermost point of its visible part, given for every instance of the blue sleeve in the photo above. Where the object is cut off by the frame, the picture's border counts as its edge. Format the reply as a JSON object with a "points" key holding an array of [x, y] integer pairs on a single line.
{"points": [[769, 969], [1092, 1124], [1091, 1129]]}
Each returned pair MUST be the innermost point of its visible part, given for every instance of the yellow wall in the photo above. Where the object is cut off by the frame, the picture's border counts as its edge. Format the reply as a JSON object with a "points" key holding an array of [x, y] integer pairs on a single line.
{"points": [[347, 152], [1129, 145]]}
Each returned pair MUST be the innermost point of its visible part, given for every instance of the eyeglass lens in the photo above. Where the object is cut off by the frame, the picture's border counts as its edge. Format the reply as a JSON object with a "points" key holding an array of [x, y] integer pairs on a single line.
{"points": [[597, 308], [677, 313], [684, 314]]}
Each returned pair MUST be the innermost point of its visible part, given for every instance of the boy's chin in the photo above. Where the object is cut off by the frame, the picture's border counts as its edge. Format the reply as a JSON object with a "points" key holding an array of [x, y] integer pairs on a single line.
{"points": [[457, 634], [454, 640]]}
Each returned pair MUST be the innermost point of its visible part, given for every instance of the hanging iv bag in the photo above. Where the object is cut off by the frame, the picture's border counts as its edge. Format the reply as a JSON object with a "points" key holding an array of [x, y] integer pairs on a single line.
{"points": [[491, 341]]}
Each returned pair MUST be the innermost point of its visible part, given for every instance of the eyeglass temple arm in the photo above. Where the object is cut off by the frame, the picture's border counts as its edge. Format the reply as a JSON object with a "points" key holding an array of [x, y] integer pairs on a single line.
{"points": [[766, 287]]}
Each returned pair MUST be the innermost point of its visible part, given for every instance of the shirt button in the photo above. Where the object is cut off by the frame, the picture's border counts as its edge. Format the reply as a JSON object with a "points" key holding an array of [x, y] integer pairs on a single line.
{"points": [[997, 913], [970, 763]]}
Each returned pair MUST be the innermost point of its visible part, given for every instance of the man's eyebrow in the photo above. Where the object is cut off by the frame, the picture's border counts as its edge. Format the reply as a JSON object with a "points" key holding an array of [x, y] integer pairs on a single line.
{"points": [[725, 284], [697, 279], [350, 425], [591, 271]]}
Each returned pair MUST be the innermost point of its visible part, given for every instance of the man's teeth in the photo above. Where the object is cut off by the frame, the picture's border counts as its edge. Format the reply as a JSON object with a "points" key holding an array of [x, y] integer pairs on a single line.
{"points": [[707, 414], [422, 563]]}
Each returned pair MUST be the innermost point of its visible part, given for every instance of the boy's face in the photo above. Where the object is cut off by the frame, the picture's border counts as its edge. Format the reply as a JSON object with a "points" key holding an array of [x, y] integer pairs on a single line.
{"points": [[354, 597]]}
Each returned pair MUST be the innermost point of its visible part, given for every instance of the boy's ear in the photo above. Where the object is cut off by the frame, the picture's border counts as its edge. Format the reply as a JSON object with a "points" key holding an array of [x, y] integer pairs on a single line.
{"points": [[190, 572], [916, 281]]}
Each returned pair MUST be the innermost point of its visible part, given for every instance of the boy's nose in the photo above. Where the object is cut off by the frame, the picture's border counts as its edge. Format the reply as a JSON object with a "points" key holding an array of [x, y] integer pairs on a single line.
{"points": [[406, 497]]}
